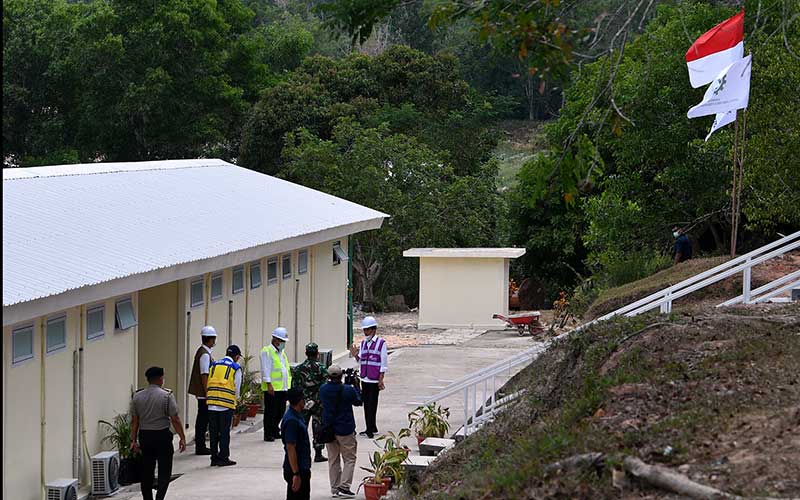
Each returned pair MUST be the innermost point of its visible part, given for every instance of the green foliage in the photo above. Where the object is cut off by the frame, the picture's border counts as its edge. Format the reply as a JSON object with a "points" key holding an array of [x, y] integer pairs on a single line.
{"points": [[118, 434], [357, 18], [430, 421]]}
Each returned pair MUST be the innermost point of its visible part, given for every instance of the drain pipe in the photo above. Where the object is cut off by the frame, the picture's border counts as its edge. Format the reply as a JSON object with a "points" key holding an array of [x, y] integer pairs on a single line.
{"points": [[42, 405], [188, 368], [76, 429], [246, 310], [296, 307], [230, 322], [81, 391], [311, 278]]}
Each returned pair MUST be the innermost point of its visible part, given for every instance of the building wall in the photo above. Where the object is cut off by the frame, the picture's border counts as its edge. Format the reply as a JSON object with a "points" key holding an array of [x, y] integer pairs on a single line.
{"points": [[158, 339], [329, 298], [462, 292], [109, 378]]}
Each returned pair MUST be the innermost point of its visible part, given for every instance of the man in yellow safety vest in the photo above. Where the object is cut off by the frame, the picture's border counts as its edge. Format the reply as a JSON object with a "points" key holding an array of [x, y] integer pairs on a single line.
{"points": [[276, 379], [224, 384]]}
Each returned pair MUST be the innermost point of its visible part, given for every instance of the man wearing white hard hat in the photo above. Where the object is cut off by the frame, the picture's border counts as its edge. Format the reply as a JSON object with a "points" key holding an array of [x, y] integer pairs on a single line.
{"points": [[373, 359], [276, 379], [198, 386]]}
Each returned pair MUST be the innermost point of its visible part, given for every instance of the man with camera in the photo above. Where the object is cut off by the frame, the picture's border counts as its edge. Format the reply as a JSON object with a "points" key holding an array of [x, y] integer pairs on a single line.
{"points": [[338, 428]]}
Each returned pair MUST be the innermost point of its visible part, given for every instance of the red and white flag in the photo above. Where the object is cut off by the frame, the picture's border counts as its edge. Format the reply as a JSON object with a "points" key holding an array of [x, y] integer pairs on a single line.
{"points": [[729, 92], [715, 50]]}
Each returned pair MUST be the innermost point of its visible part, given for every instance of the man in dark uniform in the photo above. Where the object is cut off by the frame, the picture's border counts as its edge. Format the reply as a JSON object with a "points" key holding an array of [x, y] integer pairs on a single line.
{"points": [[152, 410], [309, 376], [297, 458], [683, 247]]}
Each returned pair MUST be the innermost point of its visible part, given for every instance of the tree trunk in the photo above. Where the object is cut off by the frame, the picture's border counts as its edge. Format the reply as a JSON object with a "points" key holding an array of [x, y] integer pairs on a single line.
{"points": [[367, 270]]}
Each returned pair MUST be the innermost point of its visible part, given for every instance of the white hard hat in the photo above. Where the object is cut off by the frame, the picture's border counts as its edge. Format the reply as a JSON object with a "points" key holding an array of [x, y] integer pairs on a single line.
{"points": [[280, 333], [368, 322], [208, 331]]}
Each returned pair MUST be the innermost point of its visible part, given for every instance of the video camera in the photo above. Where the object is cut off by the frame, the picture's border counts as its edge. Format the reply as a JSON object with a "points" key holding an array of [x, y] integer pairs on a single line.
{"points": [[350, 377]]}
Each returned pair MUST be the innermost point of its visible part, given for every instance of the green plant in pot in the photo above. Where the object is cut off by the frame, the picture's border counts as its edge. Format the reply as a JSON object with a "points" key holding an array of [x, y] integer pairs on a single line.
{"points": [[429, 421], [118, 435], [250, 390], [383, 465], [391, 442]]}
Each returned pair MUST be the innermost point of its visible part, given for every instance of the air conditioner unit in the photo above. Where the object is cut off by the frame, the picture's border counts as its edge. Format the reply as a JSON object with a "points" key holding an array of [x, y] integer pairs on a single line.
{"points": [[105, 473], [61, 489], [326, 357]]}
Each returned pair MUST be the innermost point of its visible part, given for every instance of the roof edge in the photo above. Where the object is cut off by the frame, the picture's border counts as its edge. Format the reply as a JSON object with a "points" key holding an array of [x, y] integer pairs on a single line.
{"points": [[71, 169], [465, 253]]}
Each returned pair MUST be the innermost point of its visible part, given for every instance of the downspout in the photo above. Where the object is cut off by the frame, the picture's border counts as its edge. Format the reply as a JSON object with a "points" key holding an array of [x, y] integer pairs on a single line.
{"points": [[246, 312], [296, 307], [188, 367], [76, 430], [230, 322], [81, 393], [349, 291], [207, 290], [311, 279], [42, 406]]}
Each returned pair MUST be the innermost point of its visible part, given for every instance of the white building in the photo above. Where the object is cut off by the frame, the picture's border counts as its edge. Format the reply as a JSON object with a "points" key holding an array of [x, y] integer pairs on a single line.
{"points": [[463, 287], [111, 268]]}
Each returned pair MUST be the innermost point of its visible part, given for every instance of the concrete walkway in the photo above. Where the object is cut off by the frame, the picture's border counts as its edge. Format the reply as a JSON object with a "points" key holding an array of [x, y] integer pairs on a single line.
{"points": [[258, 474]]}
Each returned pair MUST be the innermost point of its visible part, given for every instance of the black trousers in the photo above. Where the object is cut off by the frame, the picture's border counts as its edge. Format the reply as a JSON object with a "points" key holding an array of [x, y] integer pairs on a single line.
{"points": [[201, 425], [305, 486], [219, 427], [156, 447], [274, 408], [369, 394]]}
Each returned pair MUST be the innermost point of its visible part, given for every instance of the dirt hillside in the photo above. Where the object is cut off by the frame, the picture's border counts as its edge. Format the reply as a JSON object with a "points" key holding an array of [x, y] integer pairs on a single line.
{"points": [[711, 394]]}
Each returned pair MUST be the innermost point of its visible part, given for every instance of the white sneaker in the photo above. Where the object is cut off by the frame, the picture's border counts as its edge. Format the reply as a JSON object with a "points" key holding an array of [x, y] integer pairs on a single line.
{"points": [[335, 494]]}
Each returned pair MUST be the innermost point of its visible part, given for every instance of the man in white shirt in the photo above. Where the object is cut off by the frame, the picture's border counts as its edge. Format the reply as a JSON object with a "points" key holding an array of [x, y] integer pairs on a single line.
{"points": [[198, 384], [222, 404], [373, 358], [276, 380]]}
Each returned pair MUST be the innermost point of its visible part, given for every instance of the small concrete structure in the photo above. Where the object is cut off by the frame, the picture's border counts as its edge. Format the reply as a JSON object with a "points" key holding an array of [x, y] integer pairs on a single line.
{"points": [[433, 446], [416, 463], [463, 287]]}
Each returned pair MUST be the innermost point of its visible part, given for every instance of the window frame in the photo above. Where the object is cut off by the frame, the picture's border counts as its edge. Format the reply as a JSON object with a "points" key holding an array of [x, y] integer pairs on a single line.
{"points": [[256, 265], [14, 332], [337, 258], [117, 324], [48, 350], [89, 310], [236, 269], [202, 282], [284, 258], [270, 261], [211, 296], [300, 256]]}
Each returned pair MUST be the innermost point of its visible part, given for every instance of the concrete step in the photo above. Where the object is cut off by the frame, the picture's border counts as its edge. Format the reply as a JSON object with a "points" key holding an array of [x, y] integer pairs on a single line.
{"points": [[433, 446], [417, 463]]}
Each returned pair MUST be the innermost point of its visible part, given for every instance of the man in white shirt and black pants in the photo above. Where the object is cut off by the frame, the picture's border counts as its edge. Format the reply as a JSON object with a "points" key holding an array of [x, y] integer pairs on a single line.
{"points": [[373, 359]]}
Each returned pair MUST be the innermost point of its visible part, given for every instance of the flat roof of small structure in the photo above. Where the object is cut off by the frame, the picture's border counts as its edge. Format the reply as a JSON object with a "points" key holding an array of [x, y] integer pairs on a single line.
{"points": [[466, 253]]}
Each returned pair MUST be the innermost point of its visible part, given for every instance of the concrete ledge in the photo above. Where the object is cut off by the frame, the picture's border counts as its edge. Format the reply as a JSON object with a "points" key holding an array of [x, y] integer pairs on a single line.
{"points": [[481, 327], [416, 463], [433, 446]]}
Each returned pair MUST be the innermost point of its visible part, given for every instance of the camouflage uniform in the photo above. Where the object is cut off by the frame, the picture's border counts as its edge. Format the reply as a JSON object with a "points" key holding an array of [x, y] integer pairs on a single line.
{"points": [[309, 376]]}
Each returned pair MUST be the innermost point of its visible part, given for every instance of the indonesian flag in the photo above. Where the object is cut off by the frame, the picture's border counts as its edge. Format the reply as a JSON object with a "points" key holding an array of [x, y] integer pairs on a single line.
{"points": [[729, 91], [715, 49], [720, 121]]}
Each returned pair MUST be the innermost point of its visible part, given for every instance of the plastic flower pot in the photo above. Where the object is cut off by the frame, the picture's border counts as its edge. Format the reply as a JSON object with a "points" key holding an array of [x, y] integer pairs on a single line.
{"points": [[387, 483], [235, 419], [252, 409], [373, 491]]}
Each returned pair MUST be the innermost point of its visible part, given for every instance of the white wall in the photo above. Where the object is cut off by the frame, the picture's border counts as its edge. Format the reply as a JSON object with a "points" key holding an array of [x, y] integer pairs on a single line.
{"points": [[462, 292]]}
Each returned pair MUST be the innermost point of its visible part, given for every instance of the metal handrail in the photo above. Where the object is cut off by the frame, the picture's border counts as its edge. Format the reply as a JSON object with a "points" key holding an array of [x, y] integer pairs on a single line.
{"points": [[762, 289]]}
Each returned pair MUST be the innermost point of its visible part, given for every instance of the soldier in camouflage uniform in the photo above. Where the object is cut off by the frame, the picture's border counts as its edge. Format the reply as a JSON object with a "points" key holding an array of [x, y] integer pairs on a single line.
{"points": [[309, 376]]}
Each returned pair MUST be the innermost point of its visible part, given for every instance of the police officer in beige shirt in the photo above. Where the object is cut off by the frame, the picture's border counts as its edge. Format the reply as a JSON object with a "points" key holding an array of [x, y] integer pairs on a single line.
{"points": [[152, 411]]}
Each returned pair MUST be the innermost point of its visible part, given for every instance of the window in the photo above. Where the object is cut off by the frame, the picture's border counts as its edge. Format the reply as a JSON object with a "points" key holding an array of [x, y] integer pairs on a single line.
{"points": [[56, 334], [22, 344], [286, 265], [216, 286], [238, 279], [339, 254], [196, 293], [302, 262], [272, 271], [255, 275], [95, 322], [124, 316]]}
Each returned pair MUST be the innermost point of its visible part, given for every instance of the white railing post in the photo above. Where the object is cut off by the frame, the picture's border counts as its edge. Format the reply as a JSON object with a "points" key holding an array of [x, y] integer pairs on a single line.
{"points": [[466, 411], [746, 277], [666, 305]]}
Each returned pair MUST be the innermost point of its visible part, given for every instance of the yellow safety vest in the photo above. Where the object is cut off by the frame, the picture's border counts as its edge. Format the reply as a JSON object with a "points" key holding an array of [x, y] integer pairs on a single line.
{"points": [[222, 384], [276, 375]]}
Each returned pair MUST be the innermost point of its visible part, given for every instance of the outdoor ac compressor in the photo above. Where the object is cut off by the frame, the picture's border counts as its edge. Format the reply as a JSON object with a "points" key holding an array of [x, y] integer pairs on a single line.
{"points": [[62, 489], [105, 473]]}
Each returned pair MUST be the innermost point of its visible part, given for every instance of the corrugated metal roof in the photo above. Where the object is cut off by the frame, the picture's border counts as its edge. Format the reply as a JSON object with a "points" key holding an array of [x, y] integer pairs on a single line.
{"points": [[71, 226]]}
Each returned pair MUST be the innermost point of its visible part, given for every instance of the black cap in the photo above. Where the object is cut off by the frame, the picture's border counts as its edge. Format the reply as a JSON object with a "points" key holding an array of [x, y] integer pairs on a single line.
{"points": [[233, 350], [154, 372], [294, 395]]}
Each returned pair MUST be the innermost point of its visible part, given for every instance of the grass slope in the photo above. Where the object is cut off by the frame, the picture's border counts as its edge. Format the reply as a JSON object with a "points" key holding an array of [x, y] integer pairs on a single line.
{"points": [[721, 388]]}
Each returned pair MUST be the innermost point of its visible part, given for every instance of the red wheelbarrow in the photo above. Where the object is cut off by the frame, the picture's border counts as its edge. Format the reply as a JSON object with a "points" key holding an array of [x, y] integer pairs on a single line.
{"points": [[524, 321]]}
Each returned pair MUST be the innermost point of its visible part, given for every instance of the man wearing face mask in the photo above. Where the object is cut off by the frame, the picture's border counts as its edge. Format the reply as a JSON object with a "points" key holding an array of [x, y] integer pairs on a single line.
{"points": [[276, 379], [373, 359], [683, 247], [198, 385]]}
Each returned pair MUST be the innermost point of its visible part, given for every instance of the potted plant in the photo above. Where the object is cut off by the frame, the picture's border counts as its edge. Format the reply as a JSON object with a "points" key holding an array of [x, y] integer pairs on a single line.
{"points": [[118, 435], [250, 393], [390, 442], [429, 421], [382, 465]]}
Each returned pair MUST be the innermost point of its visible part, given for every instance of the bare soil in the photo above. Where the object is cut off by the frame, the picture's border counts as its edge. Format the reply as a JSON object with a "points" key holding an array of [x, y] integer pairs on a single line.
{"points": [[713, 394]]}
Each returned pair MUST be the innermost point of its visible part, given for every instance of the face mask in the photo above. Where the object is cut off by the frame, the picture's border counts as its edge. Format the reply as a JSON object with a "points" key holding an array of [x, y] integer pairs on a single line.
{"points": [[281, 346], [676, 234]]}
